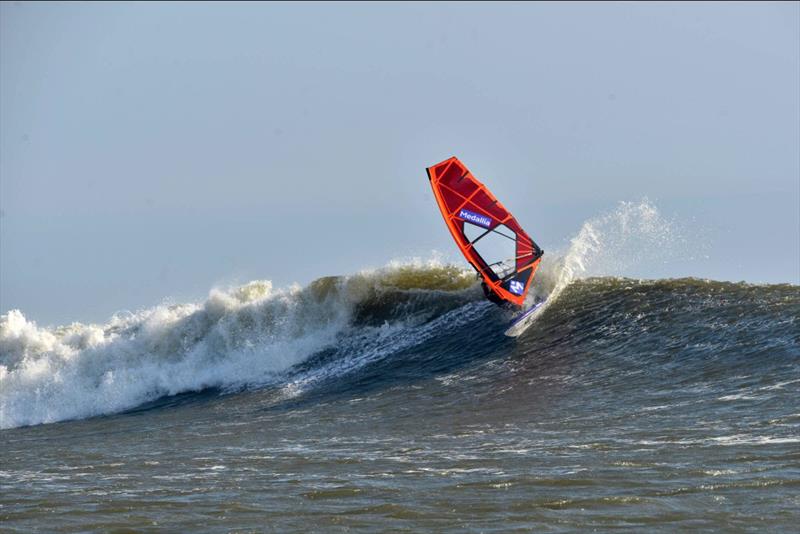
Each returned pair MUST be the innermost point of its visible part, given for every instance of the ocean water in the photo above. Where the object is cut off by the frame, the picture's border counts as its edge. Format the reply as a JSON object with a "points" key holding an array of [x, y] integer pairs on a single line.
{"points": [[389, 400]]}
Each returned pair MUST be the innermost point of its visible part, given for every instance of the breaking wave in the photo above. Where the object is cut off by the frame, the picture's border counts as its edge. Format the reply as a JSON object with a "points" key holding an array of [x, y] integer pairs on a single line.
{"points": [[257, 336]]}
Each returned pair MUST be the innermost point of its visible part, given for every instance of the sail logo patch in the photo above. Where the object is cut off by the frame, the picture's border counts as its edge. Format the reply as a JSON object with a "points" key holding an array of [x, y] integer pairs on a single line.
{"points": [[475, 218], [516, 287]]}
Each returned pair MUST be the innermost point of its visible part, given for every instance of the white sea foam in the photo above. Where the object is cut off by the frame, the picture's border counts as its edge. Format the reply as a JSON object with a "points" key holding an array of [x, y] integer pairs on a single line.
{"points": [[236, 336]]}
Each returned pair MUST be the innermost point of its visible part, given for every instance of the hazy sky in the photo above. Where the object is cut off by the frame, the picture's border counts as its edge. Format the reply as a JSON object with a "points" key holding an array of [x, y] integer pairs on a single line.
{"points": [[154, 150]]}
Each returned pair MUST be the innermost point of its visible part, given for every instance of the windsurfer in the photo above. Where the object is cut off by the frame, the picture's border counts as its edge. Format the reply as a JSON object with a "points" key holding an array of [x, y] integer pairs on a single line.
{"points": [[494, 297]]}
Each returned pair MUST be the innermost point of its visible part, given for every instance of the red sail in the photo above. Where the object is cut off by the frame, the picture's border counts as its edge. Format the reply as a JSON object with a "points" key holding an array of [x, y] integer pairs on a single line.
{"points": [[488, 235]]}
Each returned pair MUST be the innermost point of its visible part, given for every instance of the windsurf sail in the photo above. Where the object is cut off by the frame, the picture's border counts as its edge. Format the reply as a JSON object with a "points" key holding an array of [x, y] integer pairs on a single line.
{"points": [[490, 238]]}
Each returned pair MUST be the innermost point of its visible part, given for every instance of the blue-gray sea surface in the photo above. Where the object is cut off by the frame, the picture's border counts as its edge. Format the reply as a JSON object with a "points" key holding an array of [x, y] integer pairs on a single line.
{"points": [[399, 405]]}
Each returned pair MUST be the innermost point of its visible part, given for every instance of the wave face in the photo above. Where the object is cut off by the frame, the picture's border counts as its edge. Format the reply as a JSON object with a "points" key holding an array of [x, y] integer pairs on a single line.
{"points": [[242, 337], [339, 329]]}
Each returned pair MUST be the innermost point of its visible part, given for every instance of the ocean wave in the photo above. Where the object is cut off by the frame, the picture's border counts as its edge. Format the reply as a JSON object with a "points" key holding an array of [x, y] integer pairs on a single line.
{"points": [[256, 335]]}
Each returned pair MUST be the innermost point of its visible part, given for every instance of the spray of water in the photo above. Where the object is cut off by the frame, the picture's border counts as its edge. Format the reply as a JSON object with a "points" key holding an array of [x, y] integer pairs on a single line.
{"points": [[625, 241]]}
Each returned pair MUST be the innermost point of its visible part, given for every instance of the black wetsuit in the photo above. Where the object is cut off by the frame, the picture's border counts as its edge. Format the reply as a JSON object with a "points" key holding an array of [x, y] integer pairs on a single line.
{"points": [[493, 297]]}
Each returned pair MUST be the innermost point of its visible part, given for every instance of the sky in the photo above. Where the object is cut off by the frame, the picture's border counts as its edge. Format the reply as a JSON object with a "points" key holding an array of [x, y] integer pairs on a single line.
{"points": [[152, 151]]}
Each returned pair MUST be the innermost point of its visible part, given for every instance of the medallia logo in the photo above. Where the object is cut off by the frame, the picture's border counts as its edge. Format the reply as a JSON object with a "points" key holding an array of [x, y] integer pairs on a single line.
{"points": [[475, 218], [516, 287]]}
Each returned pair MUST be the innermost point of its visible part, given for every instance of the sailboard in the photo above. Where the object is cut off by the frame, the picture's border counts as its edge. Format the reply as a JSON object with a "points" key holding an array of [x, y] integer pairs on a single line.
{"points": [[491, 239], [521, 323]]}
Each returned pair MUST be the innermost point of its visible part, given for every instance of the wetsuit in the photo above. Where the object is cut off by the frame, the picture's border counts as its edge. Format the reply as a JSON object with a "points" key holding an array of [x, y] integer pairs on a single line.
{"points": [[493, 297]]}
